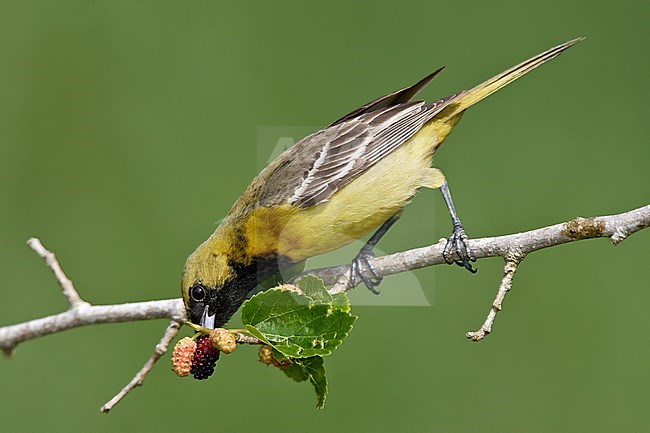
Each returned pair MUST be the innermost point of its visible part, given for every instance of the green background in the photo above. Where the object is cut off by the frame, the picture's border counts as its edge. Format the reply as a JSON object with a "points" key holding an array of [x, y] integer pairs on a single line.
{"points": [[127, 129]]}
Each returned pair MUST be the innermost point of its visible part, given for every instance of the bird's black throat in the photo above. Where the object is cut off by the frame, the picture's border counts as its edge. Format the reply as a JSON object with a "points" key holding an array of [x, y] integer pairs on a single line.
{"points": [[225, 302]]}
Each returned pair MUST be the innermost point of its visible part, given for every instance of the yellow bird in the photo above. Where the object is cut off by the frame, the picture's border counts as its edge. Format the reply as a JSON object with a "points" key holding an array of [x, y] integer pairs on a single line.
{"points": [[330, 188]]}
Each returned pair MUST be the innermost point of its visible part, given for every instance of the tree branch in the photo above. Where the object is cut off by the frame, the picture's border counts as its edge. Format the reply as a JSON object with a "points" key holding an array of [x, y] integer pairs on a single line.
{"points": [[137, 380], [506, 284], [64, 282], [11, 336], [513, 248]]}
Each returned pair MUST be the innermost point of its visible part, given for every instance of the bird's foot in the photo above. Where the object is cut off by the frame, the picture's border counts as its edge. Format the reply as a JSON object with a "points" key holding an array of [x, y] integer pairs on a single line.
{"points": [[365, 260], [457, 243]]}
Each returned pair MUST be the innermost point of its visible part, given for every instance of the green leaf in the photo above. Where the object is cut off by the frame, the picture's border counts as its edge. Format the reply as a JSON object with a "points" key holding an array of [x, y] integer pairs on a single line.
{"points": [[315, 369], [301, 328], [296, 324], [296, 372], [313, 287], [341, 302]]}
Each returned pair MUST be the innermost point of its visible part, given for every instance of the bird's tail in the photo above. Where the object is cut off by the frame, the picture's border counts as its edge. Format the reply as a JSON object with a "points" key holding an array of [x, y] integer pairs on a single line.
{"points": [[470, 97]]}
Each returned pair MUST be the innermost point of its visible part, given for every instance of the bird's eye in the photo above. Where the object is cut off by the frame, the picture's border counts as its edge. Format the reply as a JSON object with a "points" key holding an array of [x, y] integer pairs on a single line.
{"points": [[197, 293]]}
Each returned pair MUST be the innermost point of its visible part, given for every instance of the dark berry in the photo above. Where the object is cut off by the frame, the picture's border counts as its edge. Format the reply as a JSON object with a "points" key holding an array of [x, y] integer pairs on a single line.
{"points": [[205, 358]]}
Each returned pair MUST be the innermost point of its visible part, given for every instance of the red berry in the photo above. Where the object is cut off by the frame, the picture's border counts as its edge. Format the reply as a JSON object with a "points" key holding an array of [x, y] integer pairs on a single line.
{"points": [[182, 356], [205, 358]]}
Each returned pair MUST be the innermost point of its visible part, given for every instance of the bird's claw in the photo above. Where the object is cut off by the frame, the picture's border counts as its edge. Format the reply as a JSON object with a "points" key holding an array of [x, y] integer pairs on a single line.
{"points": [[457, 243], [365, 258]]}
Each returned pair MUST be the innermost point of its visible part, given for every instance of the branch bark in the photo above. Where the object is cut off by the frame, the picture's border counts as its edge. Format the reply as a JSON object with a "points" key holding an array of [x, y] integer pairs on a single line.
{"points": [[506, 284], [513, 248], [11, 336]]}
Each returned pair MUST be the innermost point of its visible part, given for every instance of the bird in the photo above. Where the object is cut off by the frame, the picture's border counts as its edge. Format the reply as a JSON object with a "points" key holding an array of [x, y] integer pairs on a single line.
{"points": [[331, 188]]}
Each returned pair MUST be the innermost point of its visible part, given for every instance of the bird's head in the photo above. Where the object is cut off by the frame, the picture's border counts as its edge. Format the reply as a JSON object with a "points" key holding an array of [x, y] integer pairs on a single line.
{"points": [[209, 286]]}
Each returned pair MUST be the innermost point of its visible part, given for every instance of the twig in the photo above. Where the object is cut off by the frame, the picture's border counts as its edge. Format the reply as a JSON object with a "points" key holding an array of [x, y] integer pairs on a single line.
{"points": [[137, 380], [11, 336], [242, 338], [66, 285], [161, 349], [506, 284]]}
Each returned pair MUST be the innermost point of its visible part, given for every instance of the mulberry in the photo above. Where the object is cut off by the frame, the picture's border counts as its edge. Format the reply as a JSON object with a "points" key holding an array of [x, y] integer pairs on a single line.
{"points": [[182, 356], [205, 358], [266, 355], [223, 340]]}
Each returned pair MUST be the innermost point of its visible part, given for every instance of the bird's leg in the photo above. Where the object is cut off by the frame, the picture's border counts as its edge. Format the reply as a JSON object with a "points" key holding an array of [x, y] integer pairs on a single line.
{"points": [[366, 256], [457, 242]]}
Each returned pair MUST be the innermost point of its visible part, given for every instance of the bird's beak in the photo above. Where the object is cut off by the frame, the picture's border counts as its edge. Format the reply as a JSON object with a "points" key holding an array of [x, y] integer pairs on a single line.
{"points": [[207, 320]]}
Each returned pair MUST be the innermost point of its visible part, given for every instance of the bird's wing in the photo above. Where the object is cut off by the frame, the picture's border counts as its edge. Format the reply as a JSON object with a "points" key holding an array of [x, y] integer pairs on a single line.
{"points": [[349, 148], [397, 97]]}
